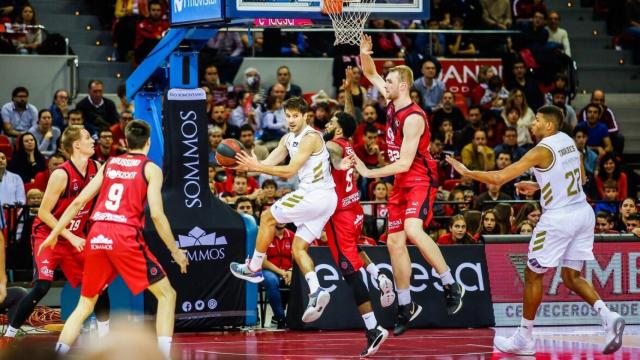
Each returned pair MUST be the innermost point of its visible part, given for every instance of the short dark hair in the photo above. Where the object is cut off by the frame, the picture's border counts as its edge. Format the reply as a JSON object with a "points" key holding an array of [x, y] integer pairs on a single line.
{"points": [[42, 111], [557, 91], [474, 107], [504, 152], [104, 130], [242, 199], [553, 114], [76, 111], [610, 184], [137, 133], [603, 214], [296, 103], [634, 216], [247, 127], [269, 182], [370, 129], [580, 130], [18, 90], [511, 128], [592, 105], [347, 124], [95, 81]]}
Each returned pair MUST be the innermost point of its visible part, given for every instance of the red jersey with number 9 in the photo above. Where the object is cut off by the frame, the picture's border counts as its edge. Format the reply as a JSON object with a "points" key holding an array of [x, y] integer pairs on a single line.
{"points": [[123, 194], [424, 169], [75, 183], [346, 187]]}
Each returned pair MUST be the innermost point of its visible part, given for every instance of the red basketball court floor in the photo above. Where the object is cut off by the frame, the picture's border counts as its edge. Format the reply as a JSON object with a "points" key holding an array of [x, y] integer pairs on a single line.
{"points": [[580, 342]]}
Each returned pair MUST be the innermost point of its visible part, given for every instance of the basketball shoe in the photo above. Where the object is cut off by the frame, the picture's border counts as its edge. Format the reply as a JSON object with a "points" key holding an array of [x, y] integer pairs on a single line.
{"points": [[243, 272], [317, 303], [614, 327], [375, 338], [517, 344], [453, 295], [387, 295], [406, 314]]}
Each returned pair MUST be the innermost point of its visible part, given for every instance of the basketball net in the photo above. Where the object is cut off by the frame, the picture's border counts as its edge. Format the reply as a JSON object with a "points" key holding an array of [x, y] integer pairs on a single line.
{"points": [[348, 25]]}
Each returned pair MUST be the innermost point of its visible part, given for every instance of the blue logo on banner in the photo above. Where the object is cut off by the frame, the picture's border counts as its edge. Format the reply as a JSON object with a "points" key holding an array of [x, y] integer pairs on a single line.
{"points": [[195, 11]]}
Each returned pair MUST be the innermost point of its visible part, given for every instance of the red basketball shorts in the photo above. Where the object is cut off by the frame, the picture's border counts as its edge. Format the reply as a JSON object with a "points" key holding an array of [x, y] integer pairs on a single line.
{"points": [[64, 255], [343, 231], [408, 203], [115, 249]]}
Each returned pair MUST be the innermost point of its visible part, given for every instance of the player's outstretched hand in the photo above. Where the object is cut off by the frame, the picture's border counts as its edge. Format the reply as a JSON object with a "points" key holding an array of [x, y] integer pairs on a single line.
{"points": [[77, 242], [458, 166], [347, 162], [366, 45], [348, 78], [180, 257], [246, 162], [49, 242], [527, 187]]}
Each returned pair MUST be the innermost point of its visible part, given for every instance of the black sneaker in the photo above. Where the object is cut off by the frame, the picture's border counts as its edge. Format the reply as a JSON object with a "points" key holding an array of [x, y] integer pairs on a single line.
{"points": [[279, 324], [453, 296], [406, 313], [375, 338]]}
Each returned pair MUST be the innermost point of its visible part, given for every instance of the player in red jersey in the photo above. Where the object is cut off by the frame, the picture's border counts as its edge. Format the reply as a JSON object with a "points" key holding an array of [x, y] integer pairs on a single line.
{"points": [[344, 229], [115, 245], [414, 191], [65, 183]]}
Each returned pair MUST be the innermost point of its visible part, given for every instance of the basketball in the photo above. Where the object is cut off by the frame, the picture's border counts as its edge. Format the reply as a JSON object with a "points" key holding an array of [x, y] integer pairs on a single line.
{"points": [[226, 152]]}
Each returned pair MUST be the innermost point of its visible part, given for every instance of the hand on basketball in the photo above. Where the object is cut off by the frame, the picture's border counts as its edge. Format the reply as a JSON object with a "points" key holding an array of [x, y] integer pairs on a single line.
{"points": [[49, 242], [180, 257], [77, 242], [246, 162], [457, 165], [366, 45], [526, 187]]}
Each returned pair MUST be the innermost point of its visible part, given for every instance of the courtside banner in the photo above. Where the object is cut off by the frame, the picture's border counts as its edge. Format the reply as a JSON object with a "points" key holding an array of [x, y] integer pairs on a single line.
{"points": [[211, 233], [615, 273], [468, 267]]}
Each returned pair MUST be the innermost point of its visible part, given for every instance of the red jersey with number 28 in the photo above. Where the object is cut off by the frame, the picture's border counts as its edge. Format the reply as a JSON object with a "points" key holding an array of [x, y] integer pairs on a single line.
{"points": [[75, 183], [346, 188], [424, 169], [123, 194]]}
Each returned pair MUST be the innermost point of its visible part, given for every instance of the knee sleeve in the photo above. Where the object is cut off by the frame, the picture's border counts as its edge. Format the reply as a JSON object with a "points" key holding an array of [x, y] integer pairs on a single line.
{"points": [[103, 306], [360, 292], [29, 302], [39, 290]]}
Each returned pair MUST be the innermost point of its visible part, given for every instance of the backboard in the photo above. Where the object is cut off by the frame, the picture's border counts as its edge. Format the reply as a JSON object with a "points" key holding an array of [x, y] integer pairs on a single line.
{"points": [[310, 9]]}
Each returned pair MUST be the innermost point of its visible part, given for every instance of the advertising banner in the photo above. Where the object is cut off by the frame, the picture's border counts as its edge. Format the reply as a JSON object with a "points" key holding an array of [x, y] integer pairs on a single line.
{"points": [[191, 12]]}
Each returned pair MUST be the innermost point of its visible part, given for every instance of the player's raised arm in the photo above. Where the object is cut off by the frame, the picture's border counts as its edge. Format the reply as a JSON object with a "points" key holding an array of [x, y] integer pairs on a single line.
{"points": [[86, 195], [309, 144], [160, 221], [368, 66], [539, 156]]}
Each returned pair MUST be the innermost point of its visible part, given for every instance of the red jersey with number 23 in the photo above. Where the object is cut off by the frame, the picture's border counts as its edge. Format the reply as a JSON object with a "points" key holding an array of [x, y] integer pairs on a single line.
{"points": [[123, 194], [424, 169], [346, 189]]}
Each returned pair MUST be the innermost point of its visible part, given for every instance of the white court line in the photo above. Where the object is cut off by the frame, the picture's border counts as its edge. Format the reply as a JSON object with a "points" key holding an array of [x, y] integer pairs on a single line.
{"points": [[324, 337], [378, 355]]}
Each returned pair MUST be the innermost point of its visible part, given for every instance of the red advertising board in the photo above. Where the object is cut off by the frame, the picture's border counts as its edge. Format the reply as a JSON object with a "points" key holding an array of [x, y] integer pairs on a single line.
{"points": [[615, 274]]}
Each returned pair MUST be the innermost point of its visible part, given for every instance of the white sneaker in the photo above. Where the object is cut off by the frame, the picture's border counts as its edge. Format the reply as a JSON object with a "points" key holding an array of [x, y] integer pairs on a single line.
{"points": [[317, 303], [614, 328], [387, 295], [516, 344]]}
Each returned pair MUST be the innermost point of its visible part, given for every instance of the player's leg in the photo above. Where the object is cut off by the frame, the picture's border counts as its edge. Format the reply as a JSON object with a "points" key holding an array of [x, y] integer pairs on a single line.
{"points": [[165, 316], [72, 326], [382, 281], [14, 295], [103, 311], [318, 297], [26, 306]]}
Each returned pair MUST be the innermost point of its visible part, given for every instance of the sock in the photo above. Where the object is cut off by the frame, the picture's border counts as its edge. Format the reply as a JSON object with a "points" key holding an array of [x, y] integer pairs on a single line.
{"points": [[370, 320], [256, 261], [526, 328], [62, 348], [446, 278], [404, 296], [312, 280], [373, 270], [103, 328], [599, 306], [11, 331], [164, 343]]}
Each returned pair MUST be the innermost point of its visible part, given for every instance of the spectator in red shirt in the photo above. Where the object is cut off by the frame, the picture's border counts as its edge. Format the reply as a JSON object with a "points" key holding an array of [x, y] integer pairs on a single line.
{"points": [[117, 130], [369, 151], [369, 117], [104, 147], [609, 169], [457, 232], [277, 270], [42, 178], [149, 31]]}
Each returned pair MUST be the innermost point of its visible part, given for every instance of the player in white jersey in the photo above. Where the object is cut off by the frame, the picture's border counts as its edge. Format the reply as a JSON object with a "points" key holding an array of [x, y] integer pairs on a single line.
{"points": [[563, 236], [309, 207]]}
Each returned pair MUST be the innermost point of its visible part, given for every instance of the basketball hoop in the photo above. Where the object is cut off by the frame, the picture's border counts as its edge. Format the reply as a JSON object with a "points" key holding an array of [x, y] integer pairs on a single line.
{"points": [[348, 24]]}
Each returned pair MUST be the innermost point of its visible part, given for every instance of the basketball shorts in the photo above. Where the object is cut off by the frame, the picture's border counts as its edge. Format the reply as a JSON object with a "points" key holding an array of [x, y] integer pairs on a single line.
{"points": [[116, 249], [563, 237], [309, 211], [64, 255], [408, 203], [343, 230]]}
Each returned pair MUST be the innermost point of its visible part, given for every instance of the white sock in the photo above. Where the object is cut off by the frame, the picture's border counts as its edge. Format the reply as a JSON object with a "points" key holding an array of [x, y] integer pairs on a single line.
{"points": [[164, 343], [103, 328], [526, 328], [446, 278], [370, 320], [11, 331], [256, 261], [404, 296], [373, 270], [62, 348], [312, 280], [599, 306]]}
